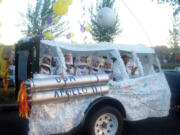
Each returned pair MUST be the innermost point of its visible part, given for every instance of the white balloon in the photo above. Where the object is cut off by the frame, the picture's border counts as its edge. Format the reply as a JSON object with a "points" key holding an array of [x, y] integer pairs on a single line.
{"points": [[106, 17]]}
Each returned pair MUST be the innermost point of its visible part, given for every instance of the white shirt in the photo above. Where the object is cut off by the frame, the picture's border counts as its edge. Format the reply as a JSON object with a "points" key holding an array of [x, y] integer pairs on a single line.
{"points": [[47, 72], [99, 71], [83, 71], [129, 66], [71, 71], [110, 72]]}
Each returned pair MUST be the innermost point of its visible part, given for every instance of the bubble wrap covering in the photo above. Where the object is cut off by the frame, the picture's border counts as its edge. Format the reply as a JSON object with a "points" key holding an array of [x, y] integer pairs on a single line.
{"points": [[142, 98]]}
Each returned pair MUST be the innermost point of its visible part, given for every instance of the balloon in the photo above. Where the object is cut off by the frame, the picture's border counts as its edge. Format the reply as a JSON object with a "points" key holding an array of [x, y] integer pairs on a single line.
{"points": [[69, 2], [68, 36], [47, 35], [41, 36], [51, 37], [106, 17], [82, 29], [88, 28], [72, 35], [49, 20], [55, 20], [60, 7]]}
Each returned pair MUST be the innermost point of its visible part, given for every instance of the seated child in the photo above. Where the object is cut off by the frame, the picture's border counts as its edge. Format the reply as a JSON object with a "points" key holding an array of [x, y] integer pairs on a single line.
{"points": [[69, 64], [81, 66], [95, 63], [107, 69], [45, 65]]}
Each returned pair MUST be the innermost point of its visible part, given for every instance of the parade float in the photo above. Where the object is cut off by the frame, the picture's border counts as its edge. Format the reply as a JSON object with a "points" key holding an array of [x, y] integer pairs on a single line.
{"points": [[58, 102]]}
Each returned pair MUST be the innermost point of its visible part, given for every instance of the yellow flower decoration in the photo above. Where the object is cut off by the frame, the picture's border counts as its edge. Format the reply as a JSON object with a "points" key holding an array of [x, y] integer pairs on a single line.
{"points": [[51, 37], [69, 2], [60, 7], [1, 1], [55, 20], [88, 28], [0, 24], [47, 35], [72, 35]]}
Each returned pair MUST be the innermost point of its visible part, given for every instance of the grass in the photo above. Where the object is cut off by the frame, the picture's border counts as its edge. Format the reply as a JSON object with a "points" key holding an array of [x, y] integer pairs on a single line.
{"points": [[7, 97]]}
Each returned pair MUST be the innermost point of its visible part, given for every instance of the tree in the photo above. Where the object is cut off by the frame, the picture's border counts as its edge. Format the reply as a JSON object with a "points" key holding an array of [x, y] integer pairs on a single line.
{"points": [[163, 53], [35, 21], [174, 3], [98, 32], [175, 34]]}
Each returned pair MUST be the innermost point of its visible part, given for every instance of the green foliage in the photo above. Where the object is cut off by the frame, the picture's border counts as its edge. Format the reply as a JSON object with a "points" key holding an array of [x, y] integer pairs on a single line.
{"points": [[170, 65], [105, 3], [174, 3], [35, 21], [175, 34], [99, 33], [168, 54]]}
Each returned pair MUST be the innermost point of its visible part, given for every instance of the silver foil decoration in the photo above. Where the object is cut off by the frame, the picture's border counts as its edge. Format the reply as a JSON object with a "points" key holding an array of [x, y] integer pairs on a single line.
{"points": [[42, 97], [54, 83]]}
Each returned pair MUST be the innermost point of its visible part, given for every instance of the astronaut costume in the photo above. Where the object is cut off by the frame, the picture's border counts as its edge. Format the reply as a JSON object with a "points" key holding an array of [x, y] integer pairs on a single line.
{"points": [[69, 64], [130, 65], [81, 67], [45, 65], [106, 69], [95, 62]]}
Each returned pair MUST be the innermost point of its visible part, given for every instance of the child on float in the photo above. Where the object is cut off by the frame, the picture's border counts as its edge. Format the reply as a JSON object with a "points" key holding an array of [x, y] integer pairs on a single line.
{"points": [[81, 66], [45, 65], [69, 64], [95, 63], [131, 66], [107, 68]]}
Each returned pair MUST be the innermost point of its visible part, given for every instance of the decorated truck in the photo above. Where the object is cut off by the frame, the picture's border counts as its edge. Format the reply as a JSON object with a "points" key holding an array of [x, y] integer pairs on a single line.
{"points": [[61, 101]]}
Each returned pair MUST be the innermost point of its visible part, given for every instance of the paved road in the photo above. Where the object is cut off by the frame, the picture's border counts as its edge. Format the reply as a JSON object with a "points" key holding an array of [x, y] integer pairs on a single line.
{"points": [[154, 126], [11, 124]]}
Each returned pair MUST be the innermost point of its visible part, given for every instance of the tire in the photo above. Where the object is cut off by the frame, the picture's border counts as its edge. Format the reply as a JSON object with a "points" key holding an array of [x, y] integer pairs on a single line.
{"points": [[106, 120]]}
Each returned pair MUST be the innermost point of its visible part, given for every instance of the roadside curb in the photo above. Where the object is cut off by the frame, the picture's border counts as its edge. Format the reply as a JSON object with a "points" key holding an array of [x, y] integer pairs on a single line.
{"points": [[8, 107]]}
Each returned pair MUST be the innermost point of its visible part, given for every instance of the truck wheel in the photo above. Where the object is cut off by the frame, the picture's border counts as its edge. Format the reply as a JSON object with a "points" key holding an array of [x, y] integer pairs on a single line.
{"points": [[105, 121]]}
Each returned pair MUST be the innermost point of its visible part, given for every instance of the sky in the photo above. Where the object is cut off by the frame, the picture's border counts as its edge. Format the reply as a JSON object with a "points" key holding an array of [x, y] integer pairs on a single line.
{"points": [[156, 20]]}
